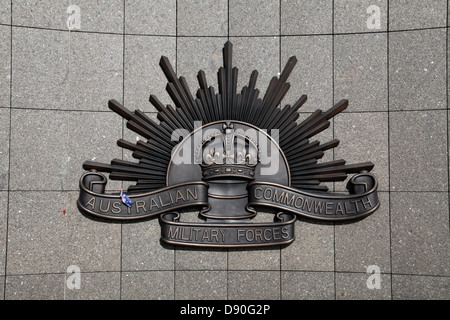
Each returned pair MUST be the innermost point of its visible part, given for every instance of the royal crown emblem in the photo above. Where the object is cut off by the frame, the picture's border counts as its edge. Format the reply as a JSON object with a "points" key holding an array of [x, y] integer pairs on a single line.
{"points": [[228, 154], [231, 154]]}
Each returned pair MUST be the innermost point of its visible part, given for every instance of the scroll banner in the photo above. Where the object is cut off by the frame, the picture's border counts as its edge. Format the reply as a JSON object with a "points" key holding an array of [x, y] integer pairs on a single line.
{"points": [[93, 200], [362, 200], [281, 231], [164, 202]]}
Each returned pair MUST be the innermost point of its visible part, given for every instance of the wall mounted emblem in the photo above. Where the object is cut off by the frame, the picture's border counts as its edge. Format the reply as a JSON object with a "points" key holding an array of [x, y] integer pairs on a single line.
{"points": [[228, 155]]}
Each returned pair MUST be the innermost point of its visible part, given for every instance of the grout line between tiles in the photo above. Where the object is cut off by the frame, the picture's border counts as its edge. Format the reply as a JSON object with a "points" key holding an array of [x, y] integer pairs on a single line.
{"points": [[231, 270], [221, 36], [9, 156], [333, 135], [123, 123], [228, 38], [279, 70], [448, 143], [65, 167], [301, 112], [176, 71], [389, 146]]}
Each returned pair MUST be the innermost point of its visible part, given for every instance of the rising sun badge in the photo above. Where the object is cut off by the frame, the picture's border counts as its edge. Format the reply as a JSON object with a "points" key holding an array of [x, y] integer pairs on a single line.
{"points": [[230, 155]]}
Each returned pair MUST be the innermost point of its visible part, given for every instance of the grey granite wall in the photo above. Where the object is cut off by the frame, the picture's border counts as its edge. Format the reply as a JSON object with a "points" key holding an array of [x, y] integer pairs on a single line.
{"points": [[55, 82]]}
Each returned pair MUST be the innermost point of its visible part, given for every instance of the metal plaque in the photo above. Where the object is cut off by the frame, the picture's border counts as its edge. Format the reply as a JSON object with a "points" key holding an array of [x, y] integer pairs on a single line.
{"points": [[228, 155]]}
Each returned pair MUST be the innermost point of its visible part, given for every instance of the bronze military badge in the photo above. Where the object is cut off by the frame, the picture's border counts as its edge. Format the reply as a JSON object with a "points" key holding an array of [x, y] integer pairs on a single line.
{"points": [[228, 154]]}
